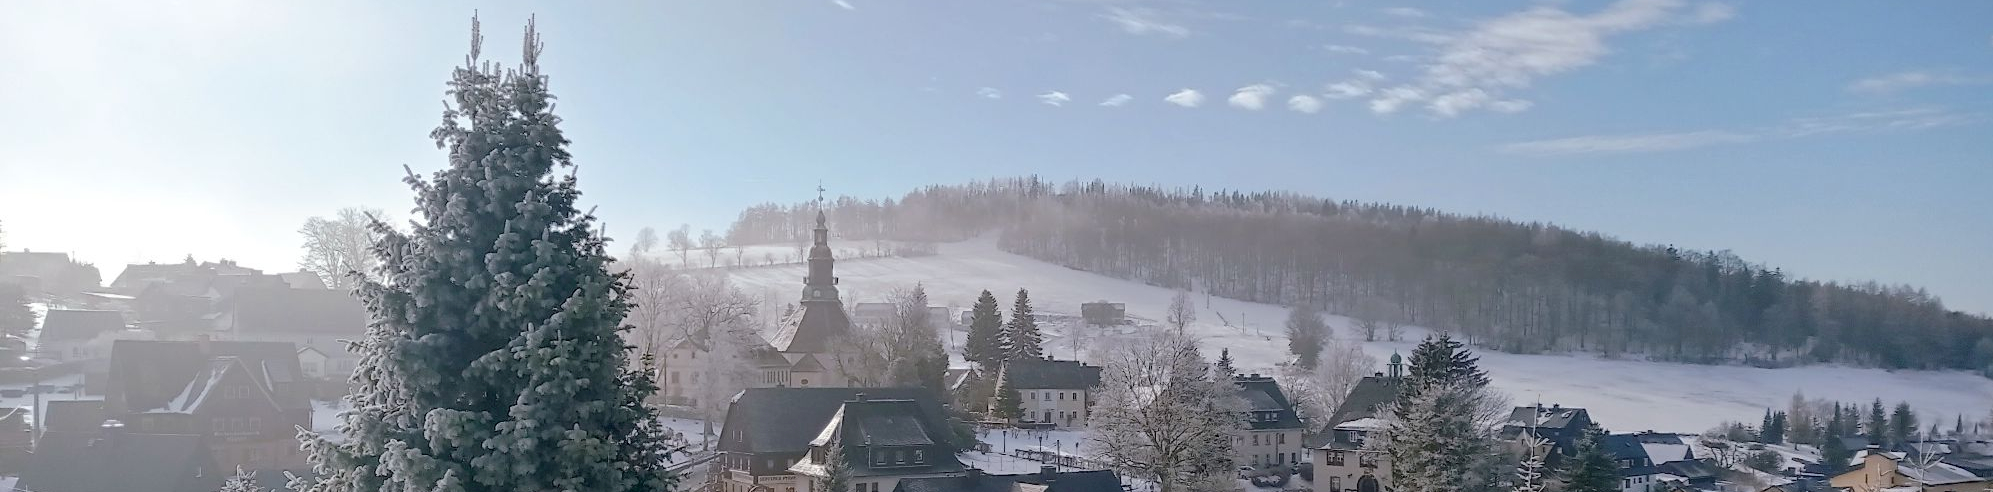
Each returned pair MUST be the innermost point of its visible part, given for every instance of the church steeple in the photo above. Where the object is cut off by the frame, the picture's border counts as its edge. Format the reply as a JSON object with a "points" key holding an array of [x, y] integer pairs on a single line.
{"points": [[821, 284]]}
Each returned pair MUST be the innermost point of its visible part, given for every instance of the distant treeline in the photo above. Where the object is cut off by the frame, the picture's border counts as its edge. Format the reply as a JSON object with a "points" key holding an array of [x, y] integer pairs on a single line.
{"points": [[1507, 285]]}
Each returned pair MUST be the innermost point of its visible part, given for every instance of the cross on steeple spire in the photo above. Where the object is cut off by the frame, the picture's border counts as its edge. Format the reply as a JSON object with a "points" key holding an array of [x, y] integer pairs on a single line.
{"points": [[820, 191]]}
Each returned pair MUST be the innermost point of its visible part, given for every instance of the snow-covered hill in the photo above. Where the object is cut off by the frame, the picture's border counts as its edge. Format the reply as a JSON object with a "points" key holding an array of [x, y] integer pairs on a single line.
{"points": [[1623, 395]]}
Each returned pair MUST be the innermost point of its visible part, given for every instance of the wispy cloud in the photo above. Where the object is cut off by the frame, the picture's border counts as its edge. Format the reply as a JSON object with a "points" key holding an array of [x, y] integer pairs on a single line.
{"points": [[1188, 98], [1251, 97], [1304, 104], [989, 93], [1618, 144], [1054, 98], [843, 4], [1842, 124], [1474, 69], [1882, 84], [1409, 33], [1345, 49], [1139, 21], [1405, 12], [1117, 100]]}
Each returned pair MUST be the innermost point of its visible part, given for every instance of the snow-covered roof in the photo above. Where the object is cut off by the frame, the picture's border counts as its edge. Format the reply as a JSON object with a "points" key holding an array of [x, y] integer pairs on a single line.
{"points": [[1364, 424], [1663, 452]]}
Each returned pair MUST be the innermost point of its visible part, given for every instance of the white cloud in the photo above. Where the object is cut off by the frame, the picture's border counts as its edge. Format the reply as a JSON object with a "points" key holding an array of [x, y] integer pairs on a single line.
{"points": [[1141, 21], [1843, 124], [1346, 49], [1411, 33], [1251, 97], [1405, 12], [1117, 100], [1473, 69], [989, 93], [1389, 100], [1054, 98], [1510, 105], [1188, 98], [1911, 80], [1369, 74], [1304, 104], [1347, 89], [843, 4]]}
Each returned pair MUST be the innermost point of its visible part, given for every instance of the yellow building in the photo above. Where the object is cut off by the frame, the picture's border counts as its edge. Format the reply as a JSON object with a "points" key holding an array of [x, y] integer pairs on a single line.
{"points": [[1879, 471]]}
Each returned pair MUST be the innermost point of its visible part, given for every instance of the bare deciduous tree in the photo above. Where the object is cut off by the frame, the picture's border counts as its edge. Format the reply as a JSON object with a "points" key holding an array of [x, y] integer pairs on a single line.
{"points": [[681, 242], [1320, 391], [1162, 415], [338, 248], [1181, 312]]}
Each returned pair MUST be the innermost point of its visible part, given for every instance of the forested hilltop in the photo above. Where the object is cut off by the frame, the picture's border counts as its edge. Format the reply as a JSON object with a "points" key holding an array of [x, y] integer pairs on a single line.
{"points": [[1506, 285]]}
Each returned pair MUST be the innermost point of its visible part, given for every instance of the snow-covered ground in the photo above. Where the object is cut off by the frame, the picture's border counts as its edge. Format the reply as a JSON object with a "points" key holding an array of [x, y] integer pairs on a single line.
{"points": [[1623, 395], [27, 399]]}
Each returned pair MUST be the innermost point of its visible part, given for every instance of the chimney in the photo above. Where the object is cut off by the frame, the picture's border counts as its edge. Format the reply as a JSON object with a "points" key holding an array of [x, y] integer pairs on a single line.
{"points": [[859, 397], [114, 433], [1046, 473], [1253, 376], [1556, 406]]}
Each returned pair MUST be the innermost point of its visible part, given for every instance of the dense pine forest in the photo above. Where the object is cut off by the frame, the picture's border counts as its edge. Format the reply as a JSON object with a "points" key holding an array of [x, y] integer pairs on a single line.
{"points": [[1503, 284]]}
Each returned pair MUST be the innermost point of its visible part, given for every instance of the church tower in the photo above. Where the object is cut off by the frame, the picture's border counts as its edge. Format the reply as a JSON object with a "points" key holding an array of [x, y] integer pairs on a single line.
{"points": [[821, 284], [810, 341]]}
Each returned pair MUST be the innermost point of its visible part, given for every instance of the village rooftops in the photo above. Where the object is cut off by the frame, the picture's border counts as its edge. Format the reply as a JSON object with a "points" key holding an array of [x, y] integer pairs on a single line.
{"points": [[785, 420], [76, 324], [147, 375], [112, 460], [1050, 374], [1269, 406], [888, 437], [263, 310]]}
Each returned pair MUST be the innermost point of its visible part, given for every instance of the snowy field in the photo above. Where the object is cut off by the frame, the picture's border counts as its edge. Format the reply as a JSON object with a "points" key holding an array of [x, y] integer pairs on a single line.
{"points": [[1623, 395]]}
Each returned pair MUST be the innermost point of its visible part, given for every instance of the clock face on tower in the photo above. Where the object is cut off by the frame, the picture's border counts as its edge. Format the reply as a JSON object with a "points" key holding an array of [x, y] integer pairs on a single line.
{"points": [[816, 293]]}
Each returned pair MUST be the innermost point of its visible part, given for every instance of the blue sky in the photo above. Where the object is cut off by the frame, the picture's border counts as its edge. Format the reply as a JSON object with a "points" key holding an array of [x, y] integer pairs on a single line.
{"points": [[1837, 140]]}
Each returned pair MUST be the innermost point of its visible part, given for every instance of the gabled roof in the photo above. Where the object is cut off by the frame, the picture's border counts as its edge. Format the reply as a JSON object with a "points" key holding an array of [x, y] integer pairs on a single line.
{"points": [[1370, 395], [822, 323], [1262, 394], [98, 462], [220, 370], [302, 280], [76, 324], [148, 374], [135, 277], [73, 415], [287, 310], [1691, 469], [784, 420], [1624, 447], [865, 426], [1071, 481], [1049, 374], [1554, 417], [808, 363]]}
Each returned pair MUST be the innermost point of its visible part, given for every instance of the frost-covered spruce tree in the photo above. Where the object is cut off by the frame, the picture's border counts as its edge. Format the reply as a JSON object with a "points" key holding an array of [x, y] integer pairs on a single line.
{"points": [[242, 481], [1162, 416], [986, 339], [494, 361], [1439, 431], [1592, 468], [1021, 333]]}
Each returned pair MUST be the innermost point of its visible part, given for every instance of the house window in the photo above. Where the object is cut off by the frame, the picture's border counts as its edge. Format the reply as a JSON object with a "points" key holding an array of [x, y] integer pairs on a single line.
{"points": [[1255, 439], [1283, 437], [1367, 460], [806, 383], [1034, 395], [919, 456], [1335, 459], [1335, 484], [1062, 396]]}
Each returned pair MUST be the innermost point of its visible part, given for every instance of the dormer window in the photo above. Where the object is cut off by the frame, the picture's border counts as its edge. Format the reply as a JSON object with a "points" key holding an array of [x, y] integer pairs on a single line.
{"points": [[919, 457]]}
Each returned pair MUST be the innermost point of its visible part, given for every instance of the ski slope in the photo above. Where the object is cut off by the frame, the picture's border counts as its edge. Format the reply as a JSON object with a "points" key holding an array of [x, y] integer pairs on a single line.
{"points": [[1623, 395]]}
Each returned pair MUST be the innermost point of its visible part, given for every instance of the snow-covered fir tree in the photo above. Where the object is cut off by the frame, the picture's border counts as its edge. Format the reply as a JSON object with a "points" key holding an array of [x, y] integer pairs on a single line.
{"points": [[1226, 371], [985, 345], [494, 361], [1442, 424], [1021, 334], [1009, 403], [837, 472], [1591, 468], [1529, 473], [242, 481], [1163, 416]]}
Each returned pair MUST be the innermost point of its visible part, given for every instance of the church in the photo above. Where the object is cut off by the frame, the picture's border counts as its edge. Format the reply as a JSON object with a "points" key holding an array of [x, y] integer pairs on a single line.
{"points": [[812, 345]]}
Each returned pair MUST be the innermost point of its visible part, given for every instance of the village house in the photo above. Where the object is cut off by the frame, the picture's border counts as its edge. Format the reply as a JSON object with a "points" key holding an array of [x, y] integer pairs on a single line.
{"points": [[70, 335], [113, 458], [247, 398], [1056, 392], [1343, 461], [1876, 470], [1048, 479], [1557, 425], [770, 430], [322, 320], [882, 441], [1273, 429], [1636, 469]]}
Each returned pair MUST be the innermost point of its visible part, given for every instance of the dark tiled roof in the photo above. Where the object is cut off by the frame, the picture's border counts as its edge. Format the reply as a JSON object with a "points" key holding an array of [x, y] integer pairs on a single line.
{"points": [[1072, 481], [220, 371], [1690, 469], [287, 310], [73, 415], [1624, 447], [302, 280], [821, 323], [1639, 471], [784, 420], [861, 427], [1050, 374], [148, 374], [95, 462], [1263, 394], [73, 324], [1370, 396], [1549, 417]]}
